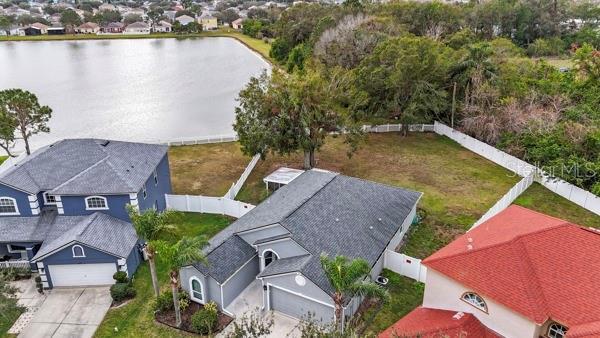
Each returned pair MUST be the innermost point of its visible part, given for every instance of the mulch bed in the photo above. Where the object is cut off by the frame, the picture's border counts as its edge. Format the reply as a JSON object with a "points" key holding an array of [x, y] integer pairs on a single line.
{"points": [[168, 318]]}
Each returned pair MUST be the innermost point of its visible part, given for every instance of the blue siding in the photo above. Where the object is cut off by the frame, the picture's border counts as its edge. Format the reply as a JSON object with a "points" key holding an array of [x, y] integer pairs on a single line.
{"points": [[133, 261], [21, 197], [65, 256], [75, 206], [156, 192]]}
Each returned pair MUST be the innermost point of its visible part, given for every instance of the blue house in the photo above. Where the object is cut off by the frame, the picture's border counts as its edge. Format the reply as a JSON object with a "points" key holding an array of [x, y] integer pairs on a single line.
{"points": [[63, 208]]}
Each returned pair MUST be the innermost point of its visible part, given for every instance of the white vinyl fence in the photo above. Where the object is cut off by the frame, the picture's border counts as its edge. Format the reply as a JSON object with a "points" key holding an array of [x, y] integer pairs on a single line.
{"points": [[23, 264], [507, 199], [209, 205], [567, 190], [405, 265], [235, 188], [201, 140], [386, 128]]}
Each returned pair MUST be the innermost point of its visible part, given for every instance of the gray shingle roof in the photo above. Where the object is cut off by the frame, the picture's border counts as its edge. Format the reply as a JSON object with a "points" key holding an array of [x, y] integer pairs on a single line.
{"points": [[26, 229], [285, 265], [225, 259], [270, 239], [98, 230], [86, 166], [326, 213]]}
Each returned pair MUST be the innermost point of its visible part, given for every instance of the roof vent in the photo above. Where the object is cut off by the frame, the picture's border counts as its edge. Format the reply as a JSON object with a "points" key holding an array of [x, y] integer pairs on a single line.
{"points": [[469, 247], [458, 315], [337, 219], [371, 227], [104, 143], [379, 219]]}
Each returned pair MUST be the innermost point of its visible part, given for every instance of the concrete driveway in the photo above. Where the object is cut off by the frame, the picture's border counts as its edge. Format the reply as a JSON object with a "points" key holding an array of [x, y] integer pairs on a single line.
{"points": [[74, 312]]}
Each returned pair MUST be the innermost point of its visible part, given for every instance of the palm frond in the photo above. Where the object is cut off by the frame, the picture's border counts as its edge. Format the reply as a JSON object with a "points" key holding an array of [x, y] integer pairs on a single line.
{"points": [[367, 288]]}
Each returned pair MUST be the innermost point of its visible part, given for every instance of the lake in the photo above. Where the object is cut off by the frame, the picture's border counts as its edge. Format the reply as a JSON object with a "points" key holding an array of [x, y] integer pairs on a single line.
{"points": [[138, 90]]}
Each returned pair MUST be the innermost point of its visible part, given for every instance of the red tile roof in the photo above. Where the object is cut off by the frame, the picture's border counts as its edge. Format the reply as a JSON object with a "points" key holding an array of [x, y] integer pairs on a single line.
{"points": [[432, 323], [537, 265]]}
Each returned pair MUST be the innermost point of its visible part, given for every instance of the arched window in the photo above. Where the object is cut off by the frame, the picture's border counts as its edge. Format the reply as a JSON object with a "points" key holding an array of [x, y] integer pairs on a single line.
{"points": [[555, 330], [8, 206], [474, 300], [78, 251], [196, 290], [96, 203], [269, 256]]}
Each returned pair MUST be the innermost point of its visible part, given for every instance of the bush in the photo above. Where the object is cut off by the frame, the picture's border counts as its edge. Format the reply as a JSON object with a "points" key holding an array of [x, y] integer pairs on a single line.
{"points": [[164, 302], [546, 47], [122, 291], [13, 274], [38, 284], [204, 321], [184, 301], [121, 277]]}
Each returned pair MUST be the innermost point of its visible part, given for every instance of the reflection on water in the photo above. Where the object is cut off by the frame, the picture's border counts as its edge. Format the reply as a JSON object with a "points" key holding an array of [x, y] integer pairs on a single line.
{"points": [[142, 90]]}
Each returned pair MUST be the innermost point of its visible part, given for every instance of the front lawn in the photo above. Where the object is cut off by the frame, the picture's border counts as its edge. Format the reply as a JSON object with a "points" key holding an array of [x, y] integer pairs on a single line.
{"points": [[406, 294], [208, 169], [3, 158], [543, 200], [458, 185], [136, 319]]}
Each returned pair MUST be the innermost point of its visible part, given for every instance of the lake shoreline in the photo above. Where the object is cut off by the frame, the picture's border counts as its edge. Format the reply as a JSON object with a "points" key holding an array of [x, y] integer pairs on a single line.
{"points": [[256, 45]]}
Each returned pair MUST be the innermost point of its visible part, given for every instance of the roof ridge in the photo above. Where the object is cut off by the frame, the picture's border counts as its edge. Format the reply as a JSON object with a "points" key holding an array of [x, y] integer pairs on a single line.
{"points": [[112, 167], [514, 239], [539, 299], [79, 174], [289, 214]]}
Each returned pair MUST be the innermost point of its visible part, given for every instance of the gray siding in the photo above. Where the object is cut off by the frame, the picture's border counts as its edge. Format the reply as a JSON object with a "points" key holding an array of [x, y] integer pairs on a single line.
{"points": [[270, 231], [402, 231], [212, 289], [283, 248], [299, 307], [133, 261], [376, 270], [239, 281], [309, 289]]}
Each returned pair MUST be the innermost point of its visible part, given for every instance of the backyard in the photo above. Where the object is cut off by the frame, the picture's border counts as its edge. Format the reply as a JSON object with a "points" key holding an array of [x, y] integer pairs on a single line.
{"points": [[3, 158]]}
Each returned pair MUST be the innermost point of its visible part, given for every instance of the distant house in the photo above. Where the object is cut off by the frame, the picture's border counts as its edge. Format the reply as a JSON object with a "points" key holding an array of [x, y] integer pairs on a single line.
{"points": [[88, 28], [519, 274], [56, 30], [137, 28], [13, 30], [184, 19], [208, 21], [113, 28], [36, 29], [107, 7], [162, 27], [237, 24], [63, 208], [170, 15]]}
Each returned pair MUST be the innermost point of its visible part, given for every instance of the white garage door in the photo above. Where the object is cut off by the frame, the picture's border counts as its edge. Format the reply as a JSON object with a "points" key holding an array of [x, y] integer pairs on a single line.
{"points": [[299, 307], [82, 274]]}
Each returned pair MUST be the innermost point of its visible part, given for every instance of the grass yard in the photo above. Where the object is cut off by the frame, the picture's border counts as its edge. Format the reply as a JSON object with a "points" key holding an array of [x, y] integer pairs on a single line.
{"points": [[543, 200], [406, 294], [136, 318], [208, 169], [7, 319], [458, 185], [3, 158]]}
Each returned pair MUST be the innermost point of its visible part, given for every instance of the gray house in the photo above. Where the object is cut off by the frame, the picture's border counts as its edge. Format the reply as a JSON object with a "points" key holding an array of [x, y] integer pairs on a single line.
{"points": [[280, 241], [63, 208]]}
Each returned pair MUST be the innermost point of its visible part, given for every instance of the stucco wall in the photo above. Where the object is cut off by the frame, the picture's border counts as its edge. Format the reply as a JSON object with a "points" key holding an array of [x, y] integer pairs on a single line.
{"points": [[444, 293], [402, 231], [65, 256], [268, 231], [283, 248], [133, 260], [239, 281], [211, 288], [75, 206], [309, 289], [21, 197], [156, 192]]}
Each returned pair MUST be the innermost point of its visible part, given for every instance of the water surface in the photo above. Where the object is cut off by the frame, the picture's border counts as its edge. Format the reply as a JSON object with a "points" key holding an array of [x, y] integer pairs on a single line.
{"points": [[139, 90]]}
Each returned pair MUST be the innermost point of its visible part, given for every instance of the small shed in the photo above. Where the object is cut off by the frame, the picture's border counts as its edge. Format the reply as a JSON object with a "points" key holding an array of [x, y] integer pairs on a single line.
{"points": [[281, 177]]}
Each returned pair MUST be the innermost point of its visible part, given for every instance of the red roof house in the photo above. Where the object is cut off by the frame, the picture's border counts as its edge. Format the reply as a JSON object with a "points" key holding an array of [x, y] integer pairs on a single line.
{"points": [[521, 274]]}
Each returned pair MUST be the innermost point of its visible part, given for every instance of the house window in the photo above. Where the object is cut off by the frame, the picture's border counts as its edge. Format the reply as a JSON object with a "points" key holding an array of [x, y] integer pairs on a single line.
{"points": [[49, 199], [196, 290], [556, 330], [474, 300], [15, 248], [78, 251], [270, 256], [144, 192], [8, 206], [96, 203], [155, 177]]}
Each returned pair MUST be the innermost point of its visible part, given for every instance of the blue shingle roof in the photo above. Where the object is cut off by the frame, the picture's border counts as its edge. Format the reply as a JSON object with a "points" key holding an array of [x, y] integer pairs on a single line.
{"points": [[85, 166]]}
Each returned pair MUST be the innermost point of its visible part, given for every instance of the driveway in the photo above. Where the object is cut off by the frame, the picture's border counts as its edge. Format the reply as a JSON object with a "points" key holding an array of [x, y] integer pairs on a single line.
{"points": [[250, 301], [75, 312]]}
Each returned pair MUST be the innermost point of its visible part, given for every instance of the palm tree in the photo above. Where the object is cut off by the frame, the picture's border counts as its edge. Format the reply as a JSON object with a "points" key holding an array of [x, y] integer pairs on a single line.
{"points": [[149, 226], [186, 251], [477, 62], [349, 279]]}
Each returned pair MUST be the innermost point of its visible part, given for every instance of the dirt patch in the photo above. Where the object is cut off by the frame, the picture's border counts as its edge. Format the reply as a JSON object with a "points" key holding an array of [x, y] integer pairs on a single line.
{"points": [[168, 318]]}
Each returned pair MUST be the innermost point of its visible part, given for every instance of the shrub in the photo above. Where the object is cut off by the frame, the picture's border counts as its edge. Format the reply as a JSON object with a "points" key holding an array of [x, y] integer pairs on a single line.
{"points": [[38, 284], [122, 291], [184, 301], [211, 306], [13, 274], [204, 321], [121, 277], [164, 302]]}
